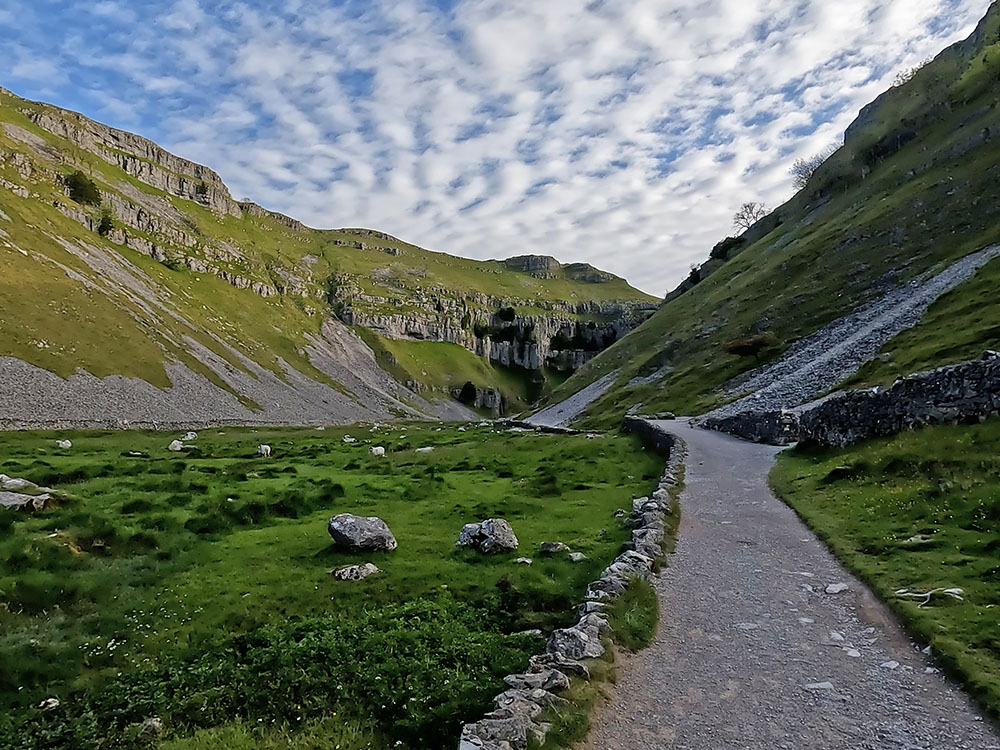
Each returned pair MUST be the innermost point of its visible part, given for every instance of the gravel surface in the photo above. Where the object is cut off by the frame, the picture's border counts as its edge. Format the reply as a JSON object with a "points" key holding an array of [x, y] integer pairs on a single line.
{"points": [[820, 361], [752, 652], [561, 414]]}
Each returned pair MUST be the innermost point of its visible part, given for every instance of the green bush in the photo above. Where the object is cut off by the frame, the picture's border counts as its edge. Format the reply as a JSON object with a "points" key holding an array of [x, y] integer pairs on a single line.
{"points": [[106, 225], [82, 189]]}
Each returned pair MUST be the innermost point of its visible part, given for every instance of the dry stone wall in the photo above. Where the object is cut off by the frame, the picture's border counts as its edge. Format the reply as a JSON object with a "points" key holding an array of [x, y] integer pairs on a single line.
{"points": [[963, 393]]}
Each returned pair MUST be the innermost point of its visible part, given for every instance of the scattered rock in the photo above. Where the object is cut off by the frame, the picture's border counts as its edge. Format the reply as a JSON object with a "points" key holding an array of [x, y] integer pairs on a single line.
{"points": [[355, 572], [187, 436], [177, 445], [551, 548], [361, 532], [349, 439], [153, 726], [523, 561], [837, 588], [890, 665], [577, 557], [427, 449], [48, 704], [853, 653], [489, 536], [64, 444], [819, 686]]}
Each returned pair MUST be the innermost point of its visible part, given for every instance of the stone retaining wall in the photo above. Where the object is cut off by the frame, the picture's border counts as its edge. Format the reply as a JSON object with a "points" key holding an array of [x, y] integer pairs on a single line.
{"points": [[517, 715], [771, 427], [966, 392]]}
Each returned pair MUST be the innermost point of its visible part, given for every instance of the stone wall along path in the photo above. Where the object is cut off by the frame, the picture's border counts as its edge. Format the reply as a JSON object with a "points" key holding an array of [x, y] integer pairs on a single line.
{"points": [[752, 653]]}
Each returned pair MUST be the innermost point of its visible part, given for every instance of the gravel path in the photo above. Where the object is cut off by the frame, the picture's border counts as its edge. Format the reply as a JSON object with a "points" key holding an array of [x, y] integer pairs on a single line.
{"points": [[823, 359], [753, 654]]}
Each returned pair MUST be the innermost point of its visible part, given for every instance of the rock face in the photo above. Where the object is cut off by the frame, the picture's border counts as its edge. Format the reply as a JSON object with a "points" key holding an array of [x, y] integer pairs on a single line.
{"points": [[557, 338], [352, 532], [490, 536]]}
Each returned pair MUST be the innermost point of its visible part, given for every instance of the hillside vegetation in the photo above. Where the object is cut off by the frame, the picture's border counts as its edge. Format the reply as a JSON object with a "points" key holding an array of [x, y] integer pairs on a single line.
{"points": [[122, 259], [914, 187], [170, 584]]}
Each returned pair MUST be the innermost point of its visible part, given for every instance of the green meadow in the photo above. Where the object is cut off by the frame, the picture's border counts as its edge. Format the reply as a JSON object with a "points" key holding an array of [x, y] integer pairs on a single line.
{"points": [[195, 587]]}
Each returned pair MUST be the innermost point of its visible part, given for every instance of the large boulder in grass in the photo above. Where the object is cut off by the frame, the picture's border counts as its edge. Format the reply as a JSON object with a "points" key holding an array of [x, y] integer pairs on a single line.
{"points": [[351, 532], [489, 536]]}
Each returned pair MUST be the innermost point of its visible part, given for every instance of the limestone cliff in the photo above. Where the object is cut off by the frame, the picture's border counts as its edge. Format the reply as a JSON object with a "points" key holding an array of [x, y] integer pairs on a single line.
{"points": [[156, 225]]}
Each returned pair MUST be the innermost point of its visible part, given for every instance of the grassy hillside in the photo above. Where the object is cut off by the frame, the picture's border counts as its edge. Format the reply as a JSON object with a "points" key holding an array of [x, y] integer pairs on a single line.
{"points": [[182, 262], [195, 587], [918, 511], [915, 186]]}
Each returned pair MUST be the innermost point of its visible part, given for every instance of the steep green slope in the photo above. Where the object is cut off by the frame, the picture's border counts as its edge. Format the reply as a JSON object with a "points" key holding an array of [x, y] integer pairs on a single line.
{"points": [[916, 185], [165, 267]]}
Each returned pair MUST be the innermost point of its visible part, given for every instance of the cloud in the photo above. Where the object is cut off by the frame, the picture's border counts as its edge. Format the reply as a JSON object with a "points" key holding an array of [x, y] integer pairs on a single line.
{"points": [[623, 134]]}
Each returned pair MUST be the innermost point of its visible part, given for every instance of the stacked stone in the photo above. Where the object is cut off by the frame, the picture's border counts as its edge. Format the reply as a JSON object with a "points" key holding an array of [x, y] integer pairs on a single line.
{"points": [[515, 718]]}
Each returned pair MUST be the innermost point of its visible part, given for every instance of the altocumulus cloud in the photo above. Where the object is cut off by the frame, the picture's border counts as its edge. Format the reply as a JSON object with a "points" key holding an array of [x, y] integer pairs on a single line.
{"points": [[623, 133]]}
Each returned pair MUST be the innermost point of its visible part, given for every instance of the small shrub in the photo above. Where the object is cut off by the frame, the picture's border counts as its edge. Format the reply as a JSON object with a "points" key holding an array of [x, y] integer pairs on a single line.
{"points": [[82, 189], [106, 225], [751, 346]]}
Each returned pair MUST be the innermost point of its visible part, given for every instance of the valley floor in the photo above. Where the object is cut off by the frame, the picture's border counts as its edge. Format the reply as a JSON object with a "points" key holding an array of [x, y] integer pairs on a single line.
{"points": [[752, 651], [194, 586]]}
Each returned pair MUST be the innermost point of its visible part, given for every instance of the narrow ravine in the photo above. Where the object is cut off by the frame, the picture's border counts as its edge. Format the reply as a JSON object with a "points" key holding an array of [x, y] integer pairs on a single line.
{"points": [[753, 653]]}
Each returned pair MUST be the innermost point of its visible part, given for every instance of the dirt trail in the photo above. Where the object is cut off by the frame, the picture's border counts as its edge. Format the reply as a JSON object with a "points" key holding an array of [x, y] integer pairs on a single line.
{"points": [[752, 653]]}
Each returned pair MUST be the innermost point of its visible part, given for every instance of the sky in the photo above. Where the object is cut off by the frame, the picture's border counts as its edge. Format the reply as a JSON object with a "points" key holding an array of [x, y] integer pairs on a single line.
{"points": [[621, 133]]}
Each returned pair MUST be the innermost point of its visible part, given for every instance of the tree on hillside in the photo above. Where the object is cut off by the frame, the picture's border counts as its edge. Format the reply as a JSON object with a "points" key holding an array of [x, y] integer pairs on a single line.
{"points": [[803, 169], [748, 215], [82, 189]]}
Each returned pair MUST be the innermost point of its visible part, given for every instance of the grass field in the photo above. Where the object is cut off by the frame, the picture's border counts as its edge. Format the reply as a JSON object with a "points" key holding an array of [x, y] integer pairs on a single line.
{"points": [[917, 511], [195, 587]]}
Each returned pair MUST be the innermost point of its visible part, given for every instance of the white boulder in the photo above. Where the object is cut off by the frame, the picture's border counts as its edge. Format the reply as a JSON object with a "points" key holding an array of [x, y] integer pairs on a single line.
{"points": [[175, 445]]}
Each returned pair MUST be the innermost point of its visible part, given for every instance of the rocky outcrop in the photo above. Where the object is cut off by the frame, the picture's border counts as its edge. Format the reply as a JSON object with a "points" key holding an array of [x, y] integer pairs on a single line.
{"points": [[559, 340], [140, 158], [539, 266]]}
